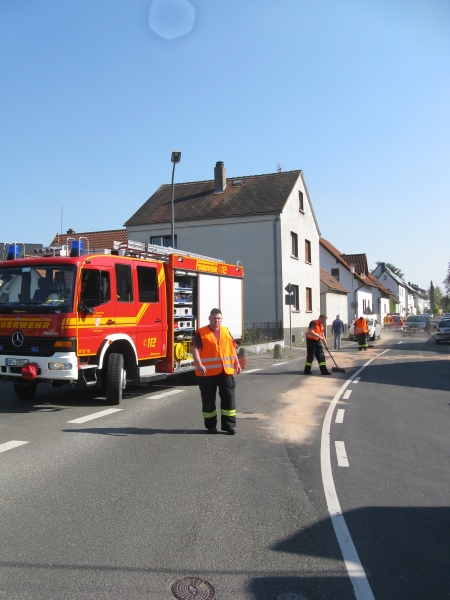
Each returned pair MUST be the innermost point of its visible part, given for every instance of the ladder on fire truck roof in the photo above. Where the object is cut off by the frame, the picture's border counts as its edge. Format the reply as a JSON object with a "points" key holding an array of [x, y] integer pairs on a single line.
{"points": [[152, 251]]}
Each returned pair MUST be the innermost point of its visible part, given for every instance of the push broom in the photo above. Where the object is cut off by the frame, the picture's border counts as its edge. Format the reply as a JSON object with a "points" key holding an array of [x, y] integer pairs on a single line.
{"points": [[336, 369]]}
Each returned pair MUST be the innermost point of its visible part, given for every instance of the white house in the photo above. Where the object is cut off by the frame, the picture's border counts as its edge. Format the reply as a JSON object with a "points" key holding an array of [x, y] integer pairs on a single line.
{"points": [[266, 222], [367, 295], [333, 298], [395, 283]]}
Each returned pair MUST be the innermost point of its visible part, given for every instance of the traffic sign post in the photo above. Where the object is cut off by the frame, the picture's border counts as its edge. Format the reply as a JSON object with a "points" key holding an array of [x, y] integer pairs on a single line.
{"points": [[290, 301]]}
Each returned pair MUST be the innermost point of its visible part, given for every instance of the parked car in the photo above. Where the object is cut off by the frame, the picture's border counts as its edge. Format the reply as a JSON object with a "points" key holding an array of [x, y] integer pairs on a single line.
{"points": [[375, 330], [442, 333], [417, 324]]}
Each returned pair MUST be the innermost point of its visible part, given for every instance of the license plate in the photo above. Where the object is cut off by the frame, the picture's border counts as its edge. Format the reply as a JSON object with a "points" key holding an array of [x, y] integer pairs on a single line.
{"points": [[16, 362]]}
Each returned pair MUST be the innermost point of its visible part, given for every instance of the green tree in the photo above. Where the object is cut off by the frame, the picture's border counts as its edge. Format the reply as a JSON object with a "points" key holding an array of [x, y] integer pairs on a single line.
{"points": [[438, 295], [446, 281], [394, 269], [431, 296]]}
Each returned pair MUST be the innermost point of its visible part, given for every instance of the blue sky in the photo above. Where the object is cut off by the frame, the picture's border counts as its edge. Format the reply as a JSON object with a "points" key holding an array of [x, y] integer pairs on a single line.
{"points": [[356, 93]]}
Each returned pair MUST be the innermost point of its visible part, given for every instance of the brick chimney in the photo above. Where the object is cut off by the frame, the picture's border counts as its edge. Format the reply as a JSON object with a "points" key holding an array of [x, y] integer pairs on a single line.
{"points": [[220, 178], [70, 231]]}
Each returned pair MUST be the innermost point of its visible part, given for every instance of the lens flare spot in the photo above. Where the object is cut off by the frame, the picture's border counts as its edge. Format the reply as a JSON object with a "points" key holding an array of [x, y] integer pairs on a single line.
{"points": [[171, 19]]}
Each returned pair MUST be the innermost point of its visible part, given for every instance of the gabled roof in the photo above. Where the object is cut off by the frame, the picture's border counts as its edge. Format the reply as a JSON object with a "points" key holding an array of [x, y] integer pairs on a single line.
{"points": [[242, 196], [29, 249], [331, 282], [361, 270], [97, 239], [383, 289], [341, 259], [360, 262]]}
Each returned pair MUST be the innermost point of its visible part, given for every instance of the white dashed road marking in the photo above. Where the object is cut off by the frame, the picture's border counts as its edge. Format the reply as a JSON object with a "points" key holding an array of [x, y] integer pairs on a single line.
{"points": [[401, 342], [340, 415], [10, 445], [251, 371], [341, 454], [168, 393], [356, 379], [353, 564], [97, 415], [346, 396], [278, 364]]}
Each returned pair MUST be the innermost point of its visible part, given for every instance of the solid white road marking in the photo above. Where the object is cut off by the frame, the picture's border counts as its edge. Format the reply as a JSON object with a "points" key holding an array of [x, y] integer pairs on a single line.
{"points": [[346, 396], [97, 415], [10, 445], [401, 342], [251, 371], [354, 567], [168, 393], [341, 454], [277, 364], [340, 415], [356, 379]]}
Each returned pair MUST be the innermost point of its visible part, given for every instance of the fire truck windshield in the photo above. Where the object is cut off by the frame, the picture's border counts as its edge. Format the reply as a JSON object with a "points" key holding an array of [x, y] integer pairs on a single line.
{"points": [[37, 288]]}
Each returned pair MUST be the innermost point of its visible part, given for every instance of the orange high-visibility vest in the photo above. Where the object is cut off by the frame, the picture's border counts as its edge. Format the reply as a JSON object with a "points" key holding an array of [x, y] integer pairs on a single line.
{"points": [[318, 328], [216, 356], [361, 326]]}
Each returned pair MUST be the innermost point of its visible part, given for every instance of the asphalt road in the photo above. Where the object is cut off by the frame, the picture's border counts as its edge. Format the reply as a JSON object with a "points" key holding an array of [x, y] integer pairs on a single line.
{"points": [[123, 505]]}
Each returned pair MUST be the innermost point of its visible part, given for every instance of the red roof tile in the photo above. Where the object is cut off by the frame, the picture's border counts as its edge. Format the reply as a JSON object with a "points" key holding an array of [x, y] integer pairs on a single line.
{"points": [[97, 239], [331, 282]]}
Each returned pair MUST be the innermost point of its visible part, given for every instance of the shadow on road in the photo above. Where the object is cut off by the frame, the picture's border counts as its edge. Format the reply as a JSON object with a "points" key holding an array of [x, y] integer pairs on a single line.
{"points": [[404, 552], [125, 431]]}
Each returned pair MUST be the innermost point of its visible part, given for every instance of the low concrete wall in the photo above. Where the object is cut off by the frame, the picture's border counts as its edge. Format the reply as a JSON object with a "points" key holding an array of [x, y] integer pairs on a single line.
{"points": [[261, 348]]}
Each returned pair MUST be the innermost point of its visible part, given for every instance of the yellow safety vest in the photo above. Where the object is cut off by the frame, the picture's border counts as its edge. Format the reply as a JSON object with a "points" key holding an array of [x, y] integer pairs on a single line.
{"points": [[216, 356]]}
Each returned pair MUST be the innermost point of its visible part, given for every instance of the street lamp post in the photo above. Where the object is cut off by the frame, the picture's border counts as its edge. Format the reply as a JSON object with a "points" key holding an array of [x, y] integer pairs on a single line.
{"points": [[176, 157]]}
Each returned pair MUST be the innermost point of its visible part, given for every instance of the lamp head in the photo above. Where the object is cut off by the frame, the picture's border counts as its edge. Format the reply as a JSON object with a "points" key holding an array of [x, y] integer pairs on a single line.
{"points": [[176, 156]]}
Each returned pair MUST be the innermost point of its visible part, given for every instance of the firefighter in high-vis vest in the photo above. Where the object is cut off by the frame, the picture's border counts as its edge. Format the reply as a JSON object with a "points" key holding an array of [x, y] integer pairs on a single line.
{"points": [[361, 332], [315, 340], [216, 362]]}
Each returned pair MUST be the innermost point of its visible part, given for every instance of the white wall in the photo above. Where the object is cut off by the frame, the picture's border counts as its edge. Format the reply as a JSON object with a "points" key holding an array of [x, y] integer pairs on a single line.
{"points": [[296, 270]]}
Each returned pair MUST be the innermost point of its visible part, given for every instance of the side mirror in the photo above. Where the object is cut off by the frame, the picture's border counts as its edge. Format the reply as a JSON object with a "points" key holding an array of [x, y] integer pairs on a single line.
{"points": [[84, 307]]}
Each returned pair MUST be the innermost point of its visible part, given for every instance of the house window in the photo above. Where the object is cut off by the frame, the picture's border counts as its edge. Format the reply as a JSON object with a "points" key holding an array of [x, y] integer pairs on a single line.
{"points": [[163, 240], [308, 300], [300, 202], [335, 274], [307, 251], [294, 244], [296, 305]]}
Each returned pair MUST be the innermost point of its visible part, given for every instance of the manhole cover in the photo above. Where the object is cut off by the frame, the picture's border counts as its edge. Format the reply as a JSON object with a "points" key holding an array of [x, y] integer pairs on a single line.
{"points": [[193, 587], [290, 596]]}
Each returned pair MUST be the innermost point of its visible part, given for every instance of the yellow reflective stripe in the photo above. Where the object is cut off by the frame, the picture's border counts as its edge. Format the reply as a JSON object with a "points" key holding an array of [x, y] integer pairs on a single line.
{"points": [[228, 413], [307, 364], [323, 364], [211, 414]]}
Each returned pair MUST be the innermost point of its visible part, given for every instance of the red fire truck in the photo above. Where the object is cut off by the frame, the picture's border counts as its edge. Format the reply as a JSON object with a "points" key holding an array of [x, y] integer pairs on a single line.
{"points": [[70, 315]]}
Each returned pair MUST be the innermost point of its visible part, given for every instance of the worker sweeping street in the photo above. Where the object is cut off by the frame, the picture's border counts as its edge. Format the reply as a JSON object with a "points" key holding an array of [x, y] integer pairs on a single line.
{"points": [[361, 331], [315, 342]]}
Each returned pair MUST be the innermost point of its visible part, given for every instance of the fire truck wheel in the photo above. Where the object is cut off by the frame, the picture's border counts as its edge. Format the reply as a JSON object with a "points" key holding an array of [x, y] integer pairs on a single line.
{"points": [[25, 392], [115, 380]]}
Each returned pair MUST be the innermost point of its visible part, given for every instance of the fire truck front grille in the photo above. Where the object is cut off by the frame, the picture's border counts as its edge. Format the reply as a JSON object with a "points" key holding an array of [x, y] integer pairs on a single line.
{"points": [[32, 346]]}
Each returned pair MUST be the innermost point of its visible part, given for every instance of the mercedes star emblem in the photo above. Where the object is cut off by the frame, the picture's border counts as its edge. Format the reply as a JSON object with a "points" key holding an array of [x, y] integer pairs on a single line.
{"points": [[17, 339]]}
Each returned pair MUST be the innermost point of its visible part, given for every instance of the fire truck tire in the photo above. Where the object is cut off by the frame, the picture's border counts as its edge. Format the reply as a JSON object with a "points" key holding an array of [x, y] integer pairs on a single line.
{"points": [[25, 392], [115, 380]]}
